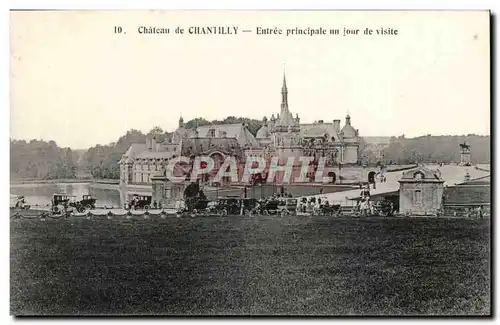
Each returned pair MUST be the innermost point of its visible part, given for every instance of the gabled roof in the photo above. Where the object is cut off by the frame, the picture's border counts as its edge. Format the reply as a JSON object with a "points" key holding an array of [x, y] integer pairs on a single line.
{"points": [[263, 133], [135, 149], [247, 138]]}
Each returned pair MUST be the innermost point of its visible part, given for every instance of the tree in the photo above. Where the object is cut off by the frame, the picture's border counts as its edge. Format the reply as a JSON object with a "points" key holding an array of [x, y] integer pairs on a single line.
{"points": [[199, 121], [102, 161], [158, 133], [369, 157], [192, 190], [38, 159]]}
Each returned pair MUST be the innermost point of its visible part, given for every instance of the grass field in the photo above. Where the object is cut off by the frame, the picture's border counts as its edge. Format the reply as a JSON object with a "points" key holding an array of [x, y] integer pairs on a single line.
{"points": [[251, 266]]}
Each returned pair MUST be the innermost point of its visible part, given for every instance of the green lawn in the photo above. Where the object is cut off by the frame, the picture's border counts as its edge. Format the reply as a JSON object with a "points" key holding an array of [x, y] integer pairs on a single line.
{"points": [[244, 265]]}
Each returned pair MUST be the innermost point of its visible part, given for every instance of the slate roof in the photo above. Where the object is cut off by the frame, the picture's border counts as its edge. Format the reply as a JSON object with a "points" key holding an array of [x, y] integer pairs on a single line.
{"points": [[316, 130], [135, 149], [236, 130], [263, 133], [201, 146]]}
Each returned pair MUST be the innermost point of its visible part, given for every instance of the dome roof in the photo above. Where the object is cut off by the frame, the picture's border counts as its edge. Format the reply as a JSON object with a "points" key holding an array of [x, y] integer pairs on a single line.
{"points": [[348, 131], [263, 133]]}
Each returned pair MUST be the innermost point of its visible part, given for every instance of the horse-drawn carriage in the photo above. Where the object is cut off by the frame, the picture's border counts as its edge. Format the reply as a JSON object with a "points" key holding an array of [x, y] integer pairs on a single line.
{"points": [[380, 207], [277, 206], [220, 206], [318, 206]]}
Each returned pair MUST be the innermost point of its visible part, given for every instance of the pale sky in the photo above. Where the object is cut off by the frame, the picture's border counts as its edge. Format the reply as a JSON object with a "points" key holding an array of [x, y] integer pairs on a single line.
{"points": [[76, 82]]}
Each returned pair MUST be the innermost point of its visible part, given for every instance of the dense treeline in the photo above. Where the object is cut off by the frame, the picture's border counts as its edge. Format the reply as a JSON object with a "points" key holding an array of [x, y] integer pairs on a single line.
{"points": [[101, 161], [38, 159], [437, 149]]}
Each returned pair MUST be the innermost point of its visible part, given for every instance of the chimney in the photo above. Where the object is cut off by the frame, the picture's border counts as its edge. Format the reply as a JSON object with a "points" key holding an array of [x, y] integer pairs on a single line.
{"points": [[336, 125]]}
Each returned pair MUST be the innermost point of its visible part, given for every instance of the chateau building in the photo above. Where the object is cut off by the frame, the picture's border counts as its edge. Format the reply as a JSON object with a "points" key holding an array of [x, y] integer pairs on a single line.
{"points": [[281, 135], [285, 137]]}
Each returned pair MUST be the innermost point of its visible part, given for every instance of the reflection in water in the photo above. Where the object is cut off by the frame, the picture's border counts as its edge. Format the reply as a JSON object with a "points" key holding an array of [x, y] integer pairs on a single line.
{"points": [[41, 194]]}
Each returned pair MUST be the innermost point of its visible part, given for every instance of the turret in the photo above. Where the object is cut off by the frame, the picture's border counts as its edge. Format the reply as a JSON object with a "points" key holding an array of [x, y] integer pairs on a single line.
{"points": [[347, 119]]}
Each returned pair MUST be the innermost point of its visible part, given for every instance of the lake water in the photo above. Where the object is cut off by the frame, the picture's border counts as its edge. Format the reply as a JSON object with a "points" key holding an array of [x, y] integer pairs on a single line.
{"points": [[41, 194]]}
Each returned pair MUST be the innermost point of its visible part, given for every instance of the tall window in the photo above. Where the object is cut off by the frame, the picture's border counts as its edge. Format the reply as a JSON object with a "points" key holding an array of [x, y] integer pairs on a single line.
{"points": [[212, 133], [417, 199]]}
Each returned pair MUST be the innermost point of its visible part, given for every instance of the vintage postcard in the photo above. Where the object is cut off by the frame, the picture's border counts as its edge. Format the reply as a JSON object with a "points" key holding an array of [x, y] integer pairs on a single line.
{"points": [[319, 163]]}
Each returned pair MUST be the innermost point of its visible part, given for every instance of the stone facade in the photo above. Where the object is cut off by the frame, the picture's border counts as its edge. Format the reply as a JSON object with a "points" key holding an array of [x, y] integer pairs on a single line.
{"points": [[464, 198], [420, 192], [281, 136]]}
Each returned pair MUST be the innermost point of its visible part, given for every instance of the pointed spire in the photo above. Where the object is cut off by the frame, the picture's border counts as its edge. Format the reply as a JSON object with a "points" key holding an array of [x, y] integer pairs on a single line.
{"points": [[284, 94], [284, 82], [181, 122]]}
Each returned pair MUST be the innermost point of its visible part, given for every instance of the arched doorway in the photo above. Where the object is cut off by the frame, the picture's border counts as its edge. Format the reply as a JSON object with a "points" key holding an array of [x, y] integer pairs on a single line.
{"points": [[333, 176], [371, 177]]}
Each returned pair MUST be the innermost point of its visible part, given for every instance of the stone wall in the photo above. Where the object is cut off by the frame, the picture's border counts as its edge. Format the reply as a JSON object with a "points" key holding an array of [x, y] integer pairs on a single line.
{"points": [[350, 154], [428, 202], [467, 210]]}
